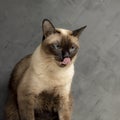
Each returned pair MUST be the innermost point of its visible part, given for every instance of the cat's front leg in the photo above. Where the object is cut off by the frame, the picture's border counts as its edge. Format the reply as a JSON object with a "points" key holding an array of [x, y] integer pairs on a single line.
{"points": [[26, 107], [65, 109]]}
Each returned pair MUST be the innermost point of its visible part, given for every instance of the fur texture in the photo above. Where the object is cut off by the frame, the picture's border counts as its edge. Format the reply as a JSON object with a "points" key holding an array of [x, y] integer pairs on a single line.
{"points": [[39, 87]]}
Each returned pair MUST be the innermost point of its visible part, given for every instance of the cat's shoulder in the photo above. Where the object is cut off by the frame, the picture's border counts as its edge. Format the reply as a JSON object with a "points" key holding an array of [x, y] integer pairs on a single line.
{"points": [[18, 71]]}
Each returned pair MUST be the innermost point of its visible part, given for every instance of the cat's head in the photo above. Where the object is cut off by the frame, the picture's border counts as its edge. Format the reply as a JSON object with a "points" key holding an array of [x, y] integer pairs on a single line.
{"points": [[60, 45]]}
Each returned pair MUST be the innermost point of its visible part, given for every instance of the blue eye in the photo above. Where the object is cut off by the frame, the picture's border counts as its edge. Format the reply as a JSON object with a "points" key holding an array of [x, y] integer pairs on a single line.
{"points": [[72, 48], [57, 46]]}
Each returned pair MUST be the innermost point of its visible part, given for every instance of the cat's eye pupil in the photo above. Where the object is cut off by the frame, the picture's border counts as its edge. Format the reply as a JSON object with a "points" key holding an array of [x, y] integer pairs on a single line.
{"points": [[57, 46], [72, 47]]}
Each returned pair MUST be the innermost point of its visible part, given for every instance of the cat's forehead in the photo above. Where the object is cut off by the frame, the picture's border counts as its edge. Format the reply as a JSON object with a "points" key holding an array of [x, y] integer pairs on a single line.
{"points": [[64, 31], [61, 35]]}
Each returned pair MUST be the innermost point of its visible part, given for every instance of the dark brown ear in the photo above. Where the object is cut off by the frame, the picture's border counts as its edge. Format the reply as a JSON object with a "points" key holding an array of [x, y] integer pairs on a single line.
{"points": [[77, 32], [47, 27]]}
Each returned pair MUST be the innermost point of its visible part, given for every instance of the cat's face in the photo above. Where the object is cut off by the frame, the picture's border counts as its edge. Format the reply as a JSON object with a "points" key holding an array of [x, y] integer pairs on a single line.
{"points": [[60, 45]]}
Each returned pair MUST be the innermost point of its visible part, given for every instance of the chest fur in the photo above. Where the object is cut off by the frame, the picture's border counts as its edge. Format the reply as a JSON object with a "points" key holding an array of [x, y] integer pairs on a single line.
{"points": [[47, 80], [51, 80], [44, 74], [48, 103]]}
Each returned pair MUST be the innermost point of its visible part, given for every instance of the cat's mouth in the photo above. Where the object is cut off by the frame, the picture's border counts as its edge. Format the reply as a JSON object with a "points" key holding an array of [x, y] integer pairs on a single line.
{"points": [[66, 61]]}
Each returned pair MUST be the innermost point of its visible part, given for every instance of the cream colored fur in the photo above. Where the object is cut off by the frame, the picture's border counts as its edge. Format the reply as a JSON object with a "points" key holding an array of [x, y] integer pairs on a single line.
{"points": [[45, 74], [41, 81]]}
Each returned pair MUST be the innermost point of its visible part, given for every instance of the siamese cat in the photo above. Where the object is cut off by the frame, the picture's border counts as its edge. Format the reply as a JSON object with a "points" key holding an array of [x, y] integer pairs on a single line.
{"points": [[40, 84]]}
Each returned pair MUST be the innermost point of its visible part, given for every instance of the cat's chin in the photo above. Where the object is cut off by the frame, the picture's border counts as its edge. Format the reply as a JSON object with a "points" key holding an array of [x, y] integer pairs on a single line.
{"points": [[62, 65]]}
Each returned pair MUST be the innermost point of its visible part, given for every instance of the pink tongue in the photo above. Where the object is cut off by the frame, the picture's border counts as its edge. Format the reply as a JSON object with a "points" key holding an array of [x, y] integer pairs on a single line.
{"points": [[66, 61]]}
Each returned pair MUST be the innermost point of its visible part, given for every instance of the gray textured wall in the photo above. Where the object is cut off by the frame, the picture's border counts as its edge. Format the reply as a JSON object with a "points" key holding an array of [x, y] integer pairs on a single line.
{"points": [[96, 85]]}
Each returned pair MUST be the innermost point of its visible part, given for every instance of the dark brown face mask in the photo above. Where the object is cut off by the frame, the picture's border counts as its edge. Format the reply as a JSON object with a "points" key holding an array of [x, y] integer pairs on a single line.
{"points": [[65, 47]]}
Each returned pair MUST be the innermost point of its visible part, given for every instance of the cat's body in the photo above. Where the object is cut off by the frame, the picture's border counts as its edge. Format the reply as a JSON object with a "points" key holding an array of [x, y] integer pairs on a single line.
{"points": [[40, 83]]}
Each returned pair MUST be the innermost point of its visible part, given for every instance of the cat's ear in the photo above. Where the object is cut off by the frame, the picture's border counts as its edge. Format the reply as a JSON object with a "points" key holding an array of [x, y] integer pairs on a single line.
{"points": [[77, 32], [47, 28]]}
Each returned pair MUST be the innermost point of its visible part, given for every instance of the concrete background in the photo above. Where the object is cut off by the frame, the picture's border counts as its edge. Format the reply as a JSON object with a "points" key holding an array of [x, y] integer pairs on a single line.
{"points": [[96, 85]]}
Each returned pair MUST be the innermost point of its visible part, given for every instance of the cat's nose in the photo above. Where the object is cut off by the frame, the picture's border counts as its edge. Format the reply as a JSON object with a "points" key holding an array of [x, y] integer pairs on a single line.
{"points": [[66, 55]]}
